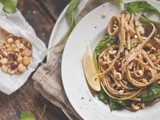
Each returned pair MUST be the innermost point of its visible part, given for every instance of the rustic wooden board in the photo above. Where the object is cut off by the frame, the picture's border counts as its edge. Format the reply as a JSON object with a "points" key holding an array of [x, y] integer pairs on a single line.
{"points": [[27, 98]]}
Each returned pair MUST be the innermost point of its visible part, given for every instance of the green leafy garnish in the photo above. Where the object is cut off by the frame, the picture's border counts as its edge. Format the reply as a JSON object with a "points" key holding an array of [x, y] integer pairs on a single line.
{"points": [[103, 97], [147, 19], [9, 6], [71, 14], [140, 6], [151, 93], [27, 116], [120, 104], [102, 45], [137, 6]]}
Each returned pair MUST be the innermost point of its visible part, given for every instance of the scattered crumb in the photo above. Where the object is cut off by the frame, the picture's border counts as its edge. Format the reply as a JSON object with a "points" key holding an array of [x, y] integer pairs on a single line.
{"points": [[103, 14]]}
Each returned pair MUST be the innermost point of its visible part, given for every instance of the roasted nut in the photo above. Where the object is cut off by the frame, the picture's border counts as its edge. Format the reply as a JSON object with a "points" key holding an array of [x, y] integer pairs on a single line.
{"points": [[13, 65], [140, 72], [12, 56], [112, 52], [1, 56], [7, 45], [9, 49], [153, 50], [142, 105], [20, 45], [10, 40], [26, 52], [26, 60], [117, 65], [118, 76], [10, 71], [19, 59], [153, 58], [4, 68], [5, 53], [135, 106], [21, 68], [17, 42], [144, 81], [13, 46], [121, 92], [24, 41], [16, 50], [29, 46], [4, 61]]}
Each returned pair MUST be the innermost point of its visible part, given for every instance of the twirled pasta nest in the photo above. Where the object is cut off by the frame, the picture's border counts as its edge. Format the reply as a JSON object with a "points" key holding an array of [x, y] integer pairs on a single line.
{"points": [[132, 63]]}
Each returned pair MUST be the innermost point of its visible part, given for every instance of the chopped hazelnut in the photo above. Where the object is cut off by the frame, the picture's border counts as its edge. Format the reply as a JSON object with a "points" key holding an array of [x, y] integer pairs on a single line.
{"points": [[26, 52], [135, 106], [10, 40], [4, 61], [4, 68], [26, 60], [21, 68], [19, 59]]}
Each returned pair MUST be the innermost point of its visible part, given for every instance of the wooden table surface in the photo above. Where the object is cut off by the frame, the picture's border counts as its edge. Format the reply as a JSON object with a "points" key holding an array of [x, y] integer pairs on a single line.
{"points": [[42, 15]]}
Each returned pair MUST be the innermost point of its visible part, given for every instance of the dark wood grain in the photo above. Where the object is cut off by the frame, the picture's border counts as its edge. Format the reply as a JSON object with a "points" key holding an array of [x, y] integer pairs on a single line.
{"points": [[42, 15]]}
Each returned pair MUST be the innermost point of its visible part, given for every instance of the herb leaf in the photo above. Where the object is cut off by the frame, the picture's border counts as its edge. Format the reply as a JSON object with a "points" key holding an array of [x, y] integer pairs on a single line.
{"points": [[149, 20], [103, 97], [102, 45], [27, 116], [71, 14], [120, 104], [152, 92], [136, 6], [9, 6]]}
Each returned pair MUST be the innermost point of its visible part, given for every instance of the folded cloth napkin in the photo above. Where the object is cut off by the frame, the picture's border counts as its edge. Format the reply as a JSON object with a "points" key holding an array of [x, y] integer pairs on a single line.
{"points": [[48, 76]]}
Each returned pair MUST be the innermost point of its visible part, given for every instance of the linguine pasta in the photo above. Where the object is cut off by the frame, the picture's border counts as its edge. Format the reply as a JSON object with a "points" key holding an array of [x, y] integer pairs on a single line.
{"points": [[131, 63]]}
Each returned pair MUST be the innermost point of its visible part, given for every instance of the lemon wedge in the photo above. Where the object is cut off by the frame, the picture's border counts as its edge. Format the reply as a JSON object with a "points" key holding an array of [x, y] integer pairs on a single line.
{"points": [[90, 70]]}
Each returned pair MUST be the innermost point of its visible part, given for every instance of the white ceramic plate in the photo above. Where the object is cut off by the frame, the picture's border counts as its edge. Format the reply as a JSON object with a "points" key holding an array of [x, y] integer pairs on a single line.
{"points": [[62, 26], [90, 30]]}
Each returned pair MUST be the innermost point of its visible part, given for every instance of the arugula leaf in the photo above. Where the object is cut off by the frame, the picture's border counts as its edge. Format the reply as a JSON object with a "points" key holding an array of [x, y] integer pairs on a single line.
{"points": [[102, 45], [147, 19], [120, 104], [27, 116], [136, 6], [152, 92], [9, 6], [103, 97], [71, 14]]}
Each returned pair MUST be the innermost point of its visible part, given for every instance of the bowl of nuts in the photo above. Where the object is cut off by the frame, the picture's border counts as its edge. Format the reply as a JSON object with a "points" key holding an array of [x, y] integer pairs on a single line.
{"points": [[15, 53]]}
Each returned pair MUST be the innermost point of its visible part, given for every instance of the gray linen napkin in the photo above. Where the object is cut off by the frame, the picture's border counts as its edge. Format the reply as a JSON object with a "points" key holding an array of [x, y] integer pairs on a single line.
{"points": [[48, 76]]}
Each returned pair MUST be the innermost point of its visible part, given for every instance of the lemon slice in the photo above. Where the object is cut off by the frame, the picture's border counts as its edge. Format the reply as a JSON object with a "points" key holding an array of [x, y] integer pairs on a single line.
{"points": [[90, 70]]}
